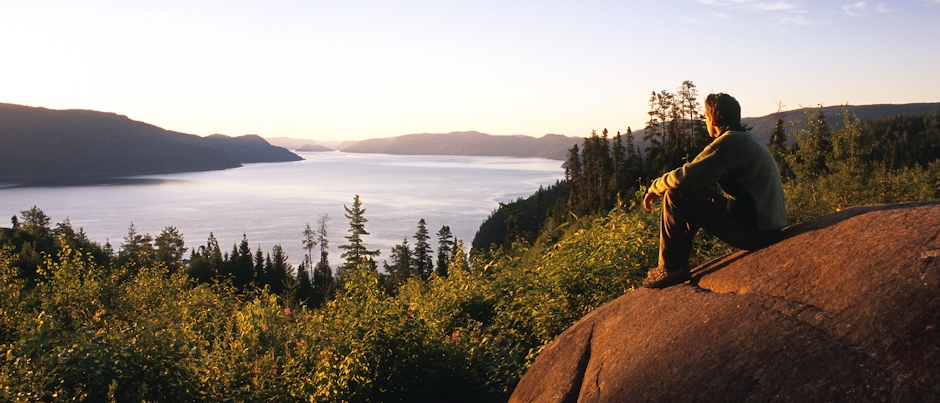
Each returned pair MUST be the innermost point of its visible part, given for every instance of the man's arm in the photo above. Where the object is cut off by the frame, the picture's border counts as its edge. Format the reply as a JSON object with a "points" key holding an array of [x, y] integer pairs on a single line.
{"points": [[705, 169]]}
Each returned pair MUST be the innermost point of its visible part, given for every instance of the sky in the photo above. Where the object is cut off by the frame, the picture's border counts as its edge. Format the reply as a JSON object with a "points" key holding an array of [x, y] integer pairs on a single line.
{"points": [[352, 70]]}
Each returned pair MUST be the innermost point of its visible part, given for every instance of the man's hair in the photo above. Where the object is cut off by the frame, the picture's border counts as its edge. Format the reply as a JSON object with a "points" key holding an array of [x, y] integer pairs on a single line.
{"points": [[724, 110]]}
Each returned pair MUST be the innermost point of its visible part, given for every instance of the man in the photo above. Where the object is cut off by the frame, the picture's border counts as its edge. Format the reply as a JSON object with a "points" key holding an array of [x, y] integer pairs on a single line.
{"points": [[742, 165]]}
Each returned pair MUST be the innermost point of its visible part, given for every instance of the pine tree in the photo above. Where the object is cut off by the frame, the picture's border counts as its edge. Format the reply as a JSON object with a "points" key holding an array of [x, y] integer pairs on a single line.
{"points": [[170, 249], [815, 146], [323, 282], [205, 261], [401, 268], [243, 271], [36, 222], [356, 253], [261, 275], [422, 252], [280, 273], [309, 241], [137, 250], [460, 260], [305, 293], [778, 145], [445, 248], [633, 165]]}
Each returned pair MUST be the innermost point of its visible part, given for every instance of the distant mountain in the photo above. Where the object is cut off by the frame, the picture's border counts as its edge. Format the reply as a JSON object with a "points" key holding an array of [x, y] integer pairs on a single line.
{"points": [[551, 146], [291, 143], [313, 147], [39, 145]]}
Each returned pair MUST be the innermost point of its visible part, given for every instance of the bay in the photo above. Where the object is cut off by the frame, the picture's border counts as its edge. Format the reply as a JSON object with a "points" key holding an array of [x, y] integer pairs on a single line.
{"points": [[270, 203]]}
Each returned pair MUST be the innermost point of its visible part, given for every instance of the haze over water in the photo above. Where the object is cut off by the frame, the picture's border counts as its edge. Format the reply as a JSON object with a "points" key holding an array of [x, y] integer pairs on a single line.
{"points": [[271, 203]]}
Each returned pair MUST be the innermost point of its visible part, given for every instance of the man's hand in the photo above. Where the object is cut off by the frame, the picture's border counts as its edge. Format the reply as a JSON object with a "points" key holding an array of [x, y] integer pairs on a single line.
{"points": [[648, 201]]}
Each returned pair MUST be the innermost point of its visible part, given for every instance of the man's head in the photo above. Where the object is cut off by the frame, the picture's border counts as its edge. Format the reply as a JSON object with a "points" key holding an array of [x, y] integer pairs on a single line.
{"points": [[722, 112]]}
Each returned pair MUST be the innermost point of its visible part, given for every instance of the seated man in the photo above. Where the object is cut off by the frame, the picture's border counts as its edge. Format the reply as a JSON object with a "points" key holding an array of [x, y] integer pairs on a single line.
{"points": [[742, 165]]}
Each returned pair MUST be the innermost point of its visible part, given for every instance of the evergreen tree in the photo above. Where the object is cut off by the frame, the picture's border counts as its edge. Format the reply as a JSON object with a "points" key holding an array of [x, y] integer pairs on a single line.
{"points": [[356, 253], [304, 290], [36, 222], [421, 261], [460, 260], [618, 157], [690, 110], [811, 158], [323, 282], [633, 164], [279, 271], [243, 271], [778, 146], [261, 275], [401, 268], [445, 248], [170, 249], [309, 241], [137, 250], [573, 176]]}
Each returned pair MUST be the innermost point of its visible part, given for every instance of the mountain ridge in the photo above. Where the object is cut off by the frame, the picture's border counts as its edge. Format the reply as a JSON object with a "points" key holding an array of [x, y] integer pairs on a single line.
{"points": [[40, 144]]}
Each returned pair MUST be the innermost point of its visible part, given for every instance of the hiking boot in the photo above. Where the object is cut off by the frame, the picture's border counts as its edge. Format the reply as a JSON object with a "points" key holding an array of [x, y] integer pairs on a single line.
{"points": [[658, 277]]}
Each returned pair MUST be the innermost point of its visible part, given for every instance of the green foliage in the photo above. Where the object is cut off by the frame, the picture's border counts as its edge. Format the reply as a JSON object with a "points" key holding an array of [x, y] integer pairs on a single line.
{"points": [[844, 169]]}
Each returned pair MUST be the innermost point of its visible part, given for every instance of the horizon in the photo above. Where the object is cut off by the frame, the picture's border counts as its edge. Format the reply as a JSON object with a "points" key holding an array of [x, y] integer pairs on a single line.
{"points": [[351, 71]]}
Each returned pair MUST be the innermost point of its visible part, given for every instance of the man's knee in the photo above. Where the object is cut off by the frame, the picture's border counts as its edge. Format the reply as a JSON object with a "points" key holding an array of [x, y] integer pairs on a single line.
{"points": [[682, 199]]}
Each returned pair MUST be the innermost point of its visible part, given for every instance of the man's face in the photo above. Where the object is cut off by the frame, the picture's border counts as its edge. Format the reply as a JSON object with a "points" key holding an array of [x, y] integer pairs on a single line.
{"points": [[713, 130]]}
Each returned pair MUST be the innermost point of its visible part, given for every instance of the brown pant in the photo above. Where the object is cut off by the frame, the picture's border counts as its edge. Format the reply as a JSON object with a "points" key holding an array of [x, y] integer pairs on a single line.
{"points": [[685, 211]]}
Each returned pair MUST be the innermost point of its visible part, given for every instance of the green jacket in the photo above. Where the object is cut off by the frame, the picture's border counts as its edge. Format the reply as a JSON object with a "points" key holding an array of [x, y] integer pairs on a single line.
{"points": [[744, 168]]}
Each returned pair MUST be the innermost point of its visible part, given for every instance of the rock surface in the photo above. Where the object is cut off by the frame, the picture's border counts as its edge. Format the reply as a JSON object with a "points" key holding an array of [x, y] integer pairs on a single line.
{"points": [[845, 308]]}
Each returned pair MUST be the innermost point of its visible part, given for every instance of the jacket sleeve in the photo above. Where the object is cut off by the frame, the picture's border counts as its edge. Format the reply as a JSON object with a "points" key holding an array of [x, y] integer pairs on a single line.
{"points": [[705, 169]]}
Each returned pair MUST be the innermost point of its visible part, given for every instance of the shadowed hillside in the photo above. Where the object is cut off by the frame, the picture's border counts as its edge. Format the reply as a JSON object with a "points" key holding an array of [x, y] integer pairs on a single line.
{"points": [[39, 145]]}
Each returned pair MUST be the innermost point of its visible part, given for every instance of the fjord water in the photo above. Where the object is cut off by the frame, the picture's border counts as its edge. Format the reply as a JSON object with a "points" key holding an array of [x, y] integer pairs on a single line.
{"points": [[272, 202]]}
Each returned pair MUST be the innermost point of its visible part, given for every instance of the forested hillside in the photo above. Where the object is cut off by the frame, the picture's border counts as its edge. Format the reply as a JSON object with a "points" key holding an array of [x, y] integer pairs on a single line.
{"points": [[44, 146], [155, 319]]}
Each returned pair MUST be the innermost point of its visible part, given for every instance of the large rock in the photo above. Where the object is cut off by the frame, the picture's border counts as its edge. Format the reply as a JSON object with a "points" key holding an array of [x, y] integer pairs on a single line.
{"points": [[846, 308]]}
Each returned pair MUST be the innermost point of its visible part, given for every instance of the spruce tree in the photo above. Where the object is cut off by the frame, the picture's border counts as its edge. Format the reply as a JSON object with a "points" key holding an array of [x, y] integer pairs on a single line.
{"points": [[280, 273], [460, 260], [243, 271], [445, 248], [137, 250], [401, 267], [422, 252], [170, 249], [36, 222], [356, 253], [261, 275], [309, 242], [323, 283], [304, 288]]}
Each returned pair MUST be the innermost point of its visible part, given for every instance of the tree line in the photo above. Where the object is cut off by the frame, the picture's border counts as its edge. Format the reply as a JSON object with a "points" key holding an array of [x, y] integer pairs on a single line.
{"points": [[313, 282]]}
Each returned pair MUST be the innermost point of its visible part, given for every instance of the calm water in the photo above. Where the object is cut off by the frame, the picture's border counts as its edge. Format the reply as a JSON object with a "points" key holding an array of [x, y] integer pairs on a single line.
{"points": [[271, 203]]}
